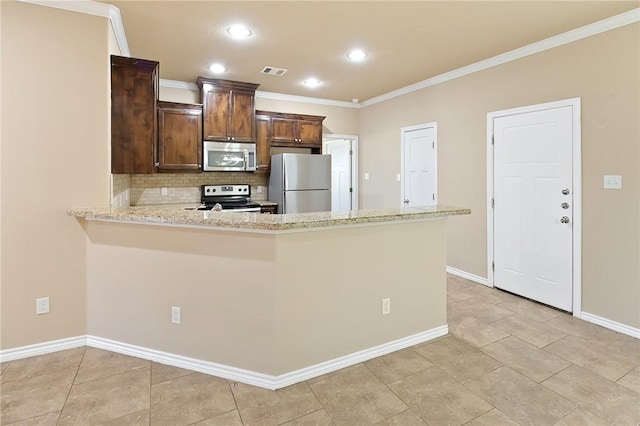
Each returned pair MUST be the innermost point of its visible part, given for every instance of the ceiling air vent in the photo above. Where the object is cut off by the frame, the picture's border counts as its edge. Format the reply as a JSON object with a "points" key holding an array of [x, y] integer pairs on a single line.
{"points": [[273, 71]]}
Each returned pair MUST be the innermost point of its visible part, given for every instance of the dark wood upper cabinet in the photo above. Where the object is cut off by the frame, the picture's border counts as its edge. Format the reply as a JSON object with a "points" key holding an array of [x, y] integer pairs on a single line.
{"points": [[228, 110], [298, 130], [134, 96], [263, 142], [179, 137]]}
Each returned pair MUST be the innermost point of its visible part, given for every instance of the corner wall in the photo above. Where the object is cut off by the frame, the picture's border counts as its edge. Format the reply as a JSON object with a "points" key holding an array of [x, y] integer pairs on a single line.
{"points": [[55, 113], [603, 70]]}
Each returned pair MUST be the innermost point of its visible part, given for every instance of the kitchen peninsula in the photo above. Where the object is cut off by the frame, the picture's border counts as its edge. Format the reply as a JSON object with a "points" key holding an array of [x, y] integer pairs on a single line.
{"points": [[268, 300]]}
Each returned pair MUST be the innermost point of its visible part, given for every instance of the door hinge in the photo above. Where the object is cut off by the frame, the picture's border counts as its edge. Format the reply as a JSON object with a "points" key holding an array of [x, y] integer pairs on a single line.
{"points": [[350, 152], [433, 197], [350, 189], [492, 204], [493, 266], [492, 140], [433, 145]]}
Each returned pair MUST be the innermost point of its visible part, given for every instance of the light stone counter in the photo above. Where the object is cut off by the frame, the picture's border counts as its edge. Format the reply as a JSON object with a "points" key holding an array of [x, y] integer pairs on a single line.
{"points": [[180, 215]]}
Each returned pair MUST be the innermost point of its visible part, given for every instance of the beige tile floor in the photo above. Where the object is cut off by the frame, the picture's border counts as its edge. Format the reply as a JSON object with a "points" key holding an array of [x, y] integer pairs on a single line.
{"points": [[507, 361]]}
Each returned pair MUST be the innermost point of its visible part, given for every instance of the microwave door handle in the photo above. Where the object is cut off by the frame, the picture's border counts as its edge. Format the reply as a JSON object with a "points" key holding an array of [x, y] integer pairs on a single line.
{"points": [[246, 159]]}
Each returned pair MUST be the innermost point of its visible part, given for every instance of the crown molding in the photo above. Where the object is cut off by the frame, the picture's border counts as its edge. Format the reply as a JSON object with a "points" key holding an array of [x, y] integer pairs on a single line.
{"points": [[305, 99], [92, 8], [598, 27], [176, 84]]}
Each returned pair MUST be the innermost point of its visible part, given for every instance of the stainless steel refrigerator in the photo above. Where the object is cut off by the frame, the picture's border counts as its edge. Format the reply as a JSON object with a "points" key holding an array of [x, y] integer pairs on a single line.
{"points": [[300, 183]]}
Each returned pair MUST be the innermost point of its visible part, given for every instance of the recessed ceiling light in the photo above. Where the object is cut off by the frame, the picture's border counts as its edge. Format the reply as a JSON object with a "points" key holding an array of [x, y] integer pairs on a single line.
{"points": [[217, 68], [357, 55], [239, 31], [311, 82]]}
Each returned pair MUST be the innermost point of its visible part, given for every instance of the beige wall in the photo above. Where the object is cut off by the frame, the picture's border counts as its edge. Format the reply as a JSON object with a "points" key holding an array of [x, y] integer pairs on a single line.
{"points": [[55, 91], [263, 302], [603, 70]]}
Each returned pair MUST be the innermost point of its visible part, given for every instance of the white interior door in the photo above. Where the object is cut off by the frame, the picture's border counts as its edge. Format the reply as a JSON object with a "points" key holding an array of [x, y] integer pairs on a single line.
{"points": [[419, 172], [533, 205], [341, 188]]}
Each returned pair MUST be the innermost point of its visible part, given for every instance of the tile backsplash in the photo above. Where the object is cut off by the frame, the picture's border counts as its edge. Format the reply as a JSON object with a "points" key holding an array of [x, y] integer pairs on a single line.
{"points": [[185, 187], [120, 190]]}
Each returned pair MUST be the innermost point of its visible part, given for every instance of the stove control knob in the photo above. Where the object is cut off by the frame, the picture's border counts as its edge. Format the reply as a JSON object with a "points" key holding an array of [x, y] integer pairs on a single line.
{"points": [[208, 189], [214, 190]]}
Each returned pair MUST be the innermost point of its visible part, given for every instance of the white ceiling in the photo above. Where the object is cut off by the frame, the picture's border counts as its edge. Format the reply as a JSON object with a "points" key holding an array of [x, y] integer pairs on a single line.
{"points": [[407, 42]]}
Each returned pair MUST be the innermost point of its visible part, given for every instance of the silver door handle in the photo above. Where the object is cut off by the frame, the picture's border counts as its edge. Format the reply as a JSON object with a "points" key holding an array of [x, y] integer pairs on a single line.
{"points": [[565, 191], [564, 205], [564, 219]]}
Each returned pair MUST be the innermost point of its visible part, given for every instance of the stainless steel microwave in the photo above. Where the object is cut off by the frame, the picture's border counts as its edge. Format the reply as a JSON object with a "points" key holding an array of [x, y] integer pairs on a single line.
{"points": [[229, 157]]}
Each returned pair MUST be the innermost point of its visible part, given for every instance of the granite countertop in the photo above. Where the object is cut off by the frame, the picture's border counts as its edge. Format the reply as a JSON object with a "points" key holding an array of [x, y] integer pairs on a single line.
{"points": [[184, 215]]}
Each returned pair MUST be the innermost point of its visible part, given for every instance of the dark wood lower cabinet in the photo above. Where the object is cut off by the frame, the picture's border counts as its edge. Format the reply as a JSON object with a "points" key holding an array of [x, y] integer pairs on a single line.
{"points": [[269, 209], [179, 137]]}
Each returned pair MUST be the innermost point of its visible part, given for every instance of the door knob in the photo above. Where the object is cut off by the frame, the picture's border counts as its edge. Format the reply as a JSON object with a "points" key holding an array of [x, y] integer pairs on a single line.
{"points": [[564, 205], [565, 191], [564, 219]]}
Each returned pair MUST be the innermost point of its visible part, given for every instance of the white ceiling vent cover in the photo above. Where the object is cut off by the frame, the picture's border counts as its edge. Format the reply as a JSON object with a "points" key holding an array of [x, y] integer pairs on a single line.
{"points": [[274, 71]]}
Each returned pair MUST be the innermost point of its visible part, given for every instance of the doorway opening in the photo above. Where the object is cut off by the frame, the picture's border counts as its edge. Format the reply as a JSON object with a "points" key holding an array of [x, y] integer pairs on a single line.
{"points": [[344, 170], [419, 168]]}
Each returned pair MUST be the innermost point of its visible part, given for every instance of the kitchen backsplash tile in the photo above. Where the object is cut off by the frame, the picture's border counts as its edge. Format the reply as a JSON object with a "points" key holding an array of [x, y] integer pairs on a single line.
{"points": [[120, 191], [185, 188]]}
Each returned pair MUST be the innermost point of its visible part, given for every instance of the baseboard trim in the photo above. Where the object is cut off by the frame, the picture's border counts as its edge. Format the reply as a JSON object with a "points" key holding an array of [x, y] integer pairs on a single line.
{"points": [[467, 275], [259, 379], [42, 348], [611, 325], [357, 357]]}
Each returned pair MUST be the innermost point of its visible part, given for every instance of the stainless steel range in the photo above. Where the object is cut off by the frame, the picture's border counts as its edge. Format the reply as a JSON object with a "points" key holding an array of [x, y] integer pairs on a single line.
{"points": [[236, 198]]}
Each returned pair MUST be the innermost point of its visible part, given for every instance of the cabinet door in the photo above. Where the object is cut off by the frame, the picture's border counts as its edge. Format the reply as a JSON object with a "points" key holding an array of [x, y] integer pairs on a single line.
{"points": [[179, 138], [263, 143], [216, 104], [310, 132], [134, 94], [242, 117], [283, 130]]}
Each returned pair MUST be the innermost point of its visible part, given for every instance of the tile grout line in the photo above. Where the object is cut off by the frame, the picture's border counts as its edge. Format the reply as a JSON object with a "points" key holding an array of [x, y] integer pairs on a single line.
{"points": [[71, 387], [235, 402]]}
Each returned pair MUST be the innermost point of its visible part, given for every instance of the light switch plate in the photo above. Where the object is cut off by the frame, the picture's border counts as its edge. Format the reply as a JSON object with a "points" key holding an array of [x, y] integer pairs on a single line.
{"points": [[612, 182], [398, 177]]}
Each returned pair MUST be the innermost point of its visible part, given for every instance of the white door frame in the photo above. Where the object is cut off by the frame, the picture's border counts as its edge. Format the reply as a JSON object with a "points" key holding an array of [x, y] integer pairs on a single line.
{"points": [[354, 163], [403, 130], [577, 191]]}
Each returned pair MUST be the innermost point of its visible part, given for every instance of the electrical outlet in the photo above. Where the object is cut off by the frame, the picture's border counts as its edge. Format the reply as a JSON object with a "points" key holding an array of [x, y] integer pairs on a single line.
{"points": [[165, 191], [613, 182], [176, 315], [42, 305], [398, 177], [386, 306], [366, 176]]}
